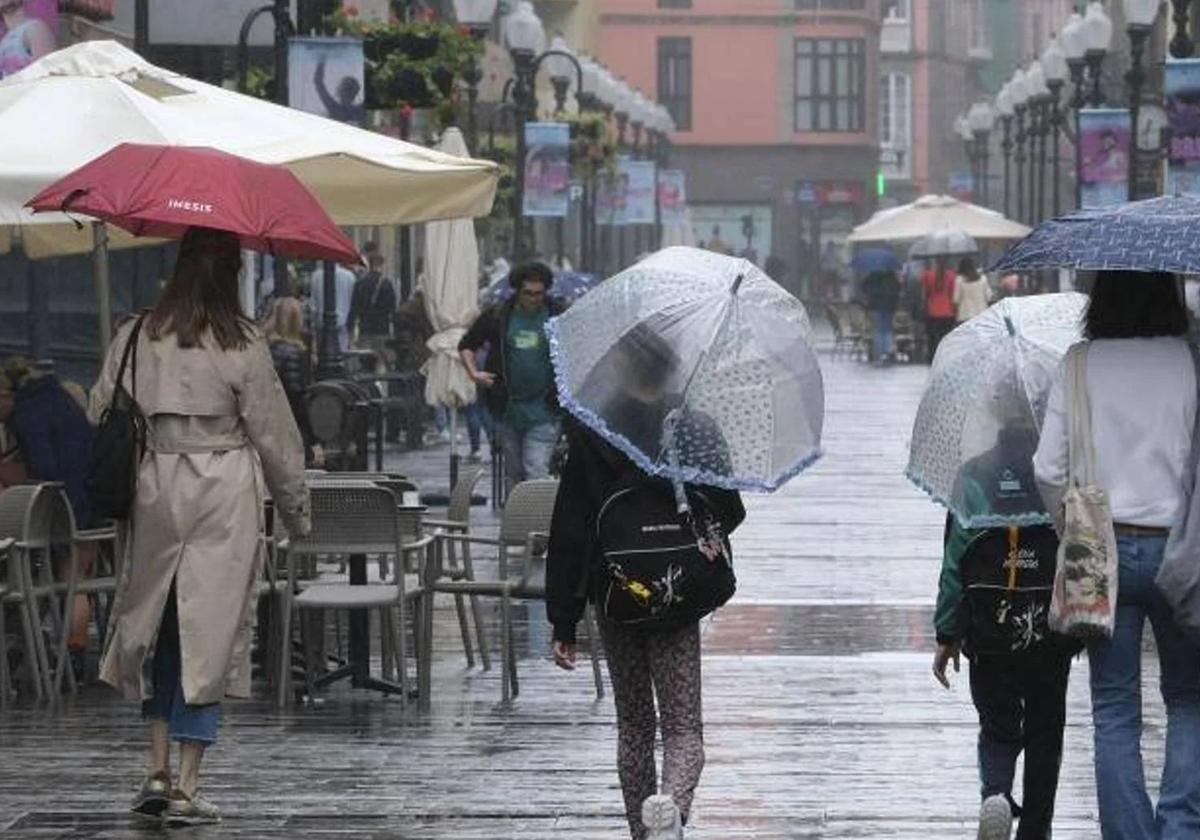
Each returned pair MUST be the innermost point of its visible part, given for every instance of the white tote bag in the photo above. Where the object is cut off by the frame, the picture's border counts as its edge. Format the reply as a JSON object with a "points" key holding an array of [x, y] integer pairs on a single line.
{"points": [[1084, 601]]}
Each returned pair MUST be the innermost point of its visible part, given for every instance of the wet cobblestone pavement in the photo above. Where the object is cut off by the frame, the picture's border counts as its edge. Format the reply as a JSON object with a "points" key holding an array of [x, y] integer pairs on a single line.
{"points": [[822, 719]]}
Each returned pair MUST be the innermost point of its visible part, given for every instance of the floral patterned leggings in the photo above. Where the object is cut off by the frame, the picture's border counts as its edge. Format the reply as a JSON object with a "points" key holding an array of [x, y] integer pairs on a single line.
{"points": [[643, 665]]}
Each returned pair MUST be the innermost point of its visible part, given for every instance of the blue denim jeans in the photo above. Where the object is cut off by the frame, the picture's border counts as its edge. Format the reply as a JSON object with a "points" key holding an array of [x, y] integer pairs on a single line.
{"points": [[527, 453], [184, 722], [882, 334], [1126, 812]]}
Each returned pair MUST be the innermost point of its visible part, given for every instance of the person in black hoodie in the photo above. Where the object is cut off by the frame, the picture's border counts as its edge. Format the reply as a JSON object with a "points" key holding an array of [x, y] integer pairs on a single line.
{"points": [[642, 664], [518, 382]]}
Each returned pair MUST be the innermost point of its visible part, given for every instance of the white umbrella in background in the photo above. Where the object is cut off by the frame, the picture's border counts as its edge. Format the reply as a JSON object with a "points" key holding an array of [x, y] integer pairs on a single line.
{"points": [[74, 105], [944, 243], [932, 213], [452, 303]]}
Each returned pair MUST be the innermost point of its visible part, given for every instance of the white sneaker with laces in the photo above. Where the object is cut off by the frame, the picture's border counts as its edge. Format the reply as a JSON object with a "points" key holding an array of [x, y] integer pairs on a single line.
{"points": [[660, 816], [995, 819]]}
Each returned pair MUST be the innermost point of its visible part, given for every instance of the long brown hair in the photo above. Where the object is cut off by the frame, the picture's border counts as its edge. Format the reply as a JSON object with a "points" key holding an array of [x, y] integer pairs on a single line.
{"points": [[202, 294]]}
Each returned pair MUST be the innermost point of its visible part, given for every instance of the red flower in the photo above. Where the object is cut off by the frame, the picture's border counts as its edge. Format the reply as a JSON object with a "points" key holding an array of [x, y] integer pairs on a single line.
{"points": [[352, 11]]}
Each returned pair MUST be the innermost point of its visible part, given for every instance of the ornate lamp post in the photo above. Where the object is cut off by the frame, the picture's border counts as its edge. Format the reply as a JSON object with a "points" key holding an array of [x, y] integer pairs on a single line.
{"points": [[962, 128], [1139, 21], [1020, 100], [1074, 44], [1055, 69], [1039, 109], [622, 108], [477, 16], [525, 38], [1097, 30], [1004, 109], [1181, 44], [980, 121]]}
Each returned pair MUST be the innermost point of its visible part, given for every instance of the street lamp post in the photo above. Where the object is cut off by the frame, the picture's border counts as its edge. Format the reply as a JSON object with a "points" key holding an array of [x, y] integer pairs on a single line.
{"points": [[1055, 69], [1139, 19], [1181, 44], [1020, 99], [1035, 80], [1097, 29], [980, 121], [525, 37], [1004, 107], [1074, 45], [477, 16]]}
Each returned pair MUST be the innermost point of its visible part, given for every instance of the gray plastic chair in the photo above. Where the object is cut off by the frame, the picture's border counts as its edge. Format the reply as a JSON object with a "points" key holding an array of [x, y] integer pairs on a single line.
{"points": [[6, 688], [30, 515], [449, 569], [525, 527], [359, 517]]}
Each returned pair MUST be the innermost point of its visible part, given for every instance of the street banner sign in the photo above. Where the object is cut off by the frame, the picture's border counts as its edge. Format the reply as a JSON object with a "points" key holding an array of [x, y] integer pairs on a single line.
{"points": [[1182, 89], [672, 196], [547, 169], [1104, 137], [325, 77], [639, 191]]}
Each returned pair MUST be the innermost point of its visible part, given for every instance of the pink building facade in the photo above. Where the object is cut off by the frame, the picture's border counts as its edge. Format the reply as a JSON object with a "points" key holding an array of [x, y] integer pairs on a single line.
{"points": [[777, 103]]}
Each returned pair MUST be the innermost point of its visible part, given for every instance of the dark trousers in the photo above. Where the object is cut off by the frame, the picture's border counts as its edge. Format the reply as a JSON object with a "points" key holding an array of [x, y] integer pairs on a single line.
{"points": [[935, 330], [1022, 705]]}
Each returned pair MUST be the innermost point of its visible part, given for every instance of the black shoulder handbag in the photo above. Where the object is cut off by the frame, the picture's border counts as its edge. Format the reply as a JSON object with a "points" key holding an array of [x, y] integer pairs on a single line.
{"points": [[120, 442]]}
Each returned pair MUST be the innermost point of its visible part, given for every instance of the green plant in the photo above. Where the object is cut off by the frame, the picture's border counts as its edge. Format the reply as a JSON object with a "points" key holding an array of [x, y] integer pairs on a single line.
{"points": [[413, 64]]}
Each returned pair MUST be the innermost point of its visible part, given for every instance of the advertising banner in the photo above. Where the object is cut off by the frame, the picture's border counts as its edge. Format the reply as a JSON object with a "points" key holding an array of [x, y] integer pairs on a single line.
{"points": [[672, 197], [28, 31], [639, 191], [1182, 89], [547, 169], [1104, 137], [325, 77]]}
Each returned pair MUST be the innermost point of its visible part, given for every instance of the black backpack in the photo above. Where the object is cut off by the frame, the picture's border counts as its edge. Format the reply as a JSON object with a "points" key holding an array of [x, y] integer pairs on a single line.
{"points": [[657, 568], [1007, 578], [120, 442]]}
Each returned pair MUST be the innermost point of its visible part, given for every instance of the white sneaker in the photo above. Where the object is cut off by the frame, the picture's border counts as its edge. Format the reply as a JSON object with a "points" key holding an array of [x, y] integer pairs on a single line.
{"points": [[660, 816], [995, 819]]}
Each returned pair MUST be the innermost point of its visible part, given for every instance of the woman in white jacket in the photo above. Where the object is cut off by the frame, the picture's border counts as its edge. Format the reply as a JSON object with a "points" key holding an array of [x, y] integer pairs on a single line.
{"points": [[1142, 386], [972, 294]]}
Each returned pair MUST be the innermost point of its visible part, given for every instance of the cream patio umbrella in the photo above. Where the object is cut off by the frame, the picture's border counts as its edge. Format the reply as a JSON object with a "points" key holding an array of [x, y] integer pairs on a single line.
{"points": [[76, 104], [930, 214], [451, 291]]}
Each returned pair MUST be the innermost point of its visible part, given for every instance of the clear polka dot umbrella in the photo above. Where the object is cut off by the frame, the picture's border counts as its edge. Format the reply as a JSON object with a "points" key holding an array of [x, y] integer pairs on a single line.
{"points": [[698, 367], [978, 423]]}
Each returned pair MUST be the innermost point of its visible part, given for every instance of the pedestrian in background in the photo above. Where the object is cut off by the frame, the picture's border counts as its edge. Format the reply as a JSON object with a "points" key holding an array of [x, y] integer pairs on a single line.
{"points": [[518, 381], [882, 292], [1142, 386], [937, 285], [343, 280], [372, 307], [972, 292], [180, 634], [283, 329], [53, 442]]}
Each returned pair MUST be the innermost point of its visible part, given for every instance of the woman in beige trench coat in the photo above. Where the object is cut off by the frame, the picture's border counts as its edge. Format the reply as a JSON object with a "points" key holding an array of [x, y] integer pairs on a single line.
{"points": [[219, 424]]}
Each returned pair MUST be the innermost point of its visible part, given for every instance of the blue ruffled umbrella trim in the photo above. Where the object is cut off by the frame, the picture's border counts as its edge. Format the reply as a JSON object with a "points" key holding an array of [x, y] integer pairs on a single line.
{"points": [[688, 475], [984, 520]]}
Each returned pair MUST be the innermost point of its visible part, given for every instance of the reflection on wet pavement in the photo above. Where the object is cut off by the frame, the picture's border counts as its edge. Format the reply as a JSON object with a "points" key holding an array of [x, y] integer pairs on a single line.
{"points": [[822, 719]]}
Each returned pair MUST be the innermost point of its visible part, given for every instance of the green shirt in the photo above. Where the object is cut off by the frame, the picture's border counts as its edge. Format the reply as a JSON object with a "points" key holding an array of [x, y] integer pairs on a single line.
{"points": [[528, 371]]}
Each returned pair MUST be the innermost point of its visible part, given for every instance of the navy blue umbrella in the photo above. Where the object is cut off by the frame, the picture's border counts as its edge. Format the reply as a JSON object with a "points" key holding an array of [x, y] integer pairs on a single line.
{"points": [[870, 260], [1158, 234], [568, 287]]}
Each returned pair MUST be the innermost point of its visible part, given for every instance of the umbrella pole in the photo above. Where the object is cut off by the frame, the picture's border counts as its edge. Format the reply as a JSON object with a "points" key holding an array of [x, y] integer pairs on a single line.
{"points": [[453, 447], [103, 284]]}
